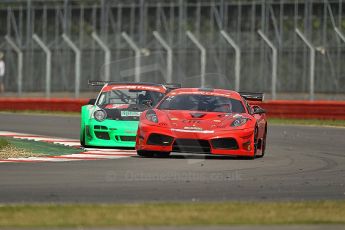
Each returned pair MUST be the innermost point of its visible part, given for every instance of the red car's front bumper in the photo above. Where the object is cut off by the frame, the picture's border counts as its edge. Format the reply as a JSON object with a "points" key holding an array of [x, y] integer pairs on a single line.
{"points": [[239, 142]]}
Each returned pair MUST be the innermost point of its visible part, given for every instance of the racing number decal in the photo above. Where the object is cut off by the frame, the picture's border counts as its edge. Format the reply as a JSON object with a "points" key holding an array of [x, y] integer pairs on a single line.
{"points": [[130, 114]]}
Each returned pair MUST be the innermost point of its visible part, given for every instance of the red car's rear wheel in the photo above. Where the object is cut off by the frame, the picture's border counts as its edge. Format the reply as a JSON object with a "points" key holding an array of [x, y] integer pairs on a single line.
{"points": [[256, 140], [263, 144]]}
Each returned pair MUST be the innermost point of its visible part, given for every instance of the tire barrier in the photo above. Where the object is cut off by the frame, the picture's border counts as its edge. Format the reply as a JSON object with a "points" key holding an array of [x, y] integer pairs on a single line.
{"points": [[276, 109], [41, 104], [333, 110]]}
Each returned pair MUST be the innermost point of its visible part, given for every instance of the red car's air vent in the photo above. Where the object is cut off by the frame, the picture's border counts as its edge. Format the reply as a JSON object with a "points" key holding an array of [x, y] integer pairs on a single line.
{"points": [[224, 143], [191, 145], [197, 115], [159, 139]]}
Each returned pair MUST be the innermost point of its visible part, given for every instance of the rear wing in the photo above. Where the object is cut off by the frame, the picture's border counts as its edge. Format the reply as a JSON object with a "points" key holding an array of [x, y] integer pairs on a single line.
{"points": [[102, 83], [97, 83], [249, 96], [169, 86], [172, 86]]}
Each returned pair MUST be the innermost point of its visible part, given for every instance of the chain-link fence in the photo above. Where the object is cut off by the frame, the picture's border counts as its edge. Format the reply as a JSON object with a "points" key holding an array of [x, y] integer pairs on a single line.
{"points": [[125, 31]]}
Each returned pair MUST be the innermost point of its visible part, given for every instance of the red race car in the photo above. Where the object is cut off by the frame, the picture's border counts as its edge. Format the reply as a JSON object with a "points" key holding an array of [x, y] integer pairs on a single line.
{"points": [[207, 121]]}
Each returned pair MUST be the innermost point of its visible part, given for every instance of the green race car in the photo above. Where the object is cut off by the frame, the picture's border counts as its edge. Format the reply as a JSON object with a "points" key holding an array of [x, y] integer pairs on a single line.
{"points": [[112, 119]]}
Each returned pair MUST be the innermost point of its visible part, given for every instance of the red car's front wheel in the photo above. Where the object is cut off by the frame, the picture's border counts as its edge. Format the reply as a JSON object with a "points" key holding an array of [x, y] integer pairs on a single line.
{"points": [[255, 143], [263, 143], [144, 153]]}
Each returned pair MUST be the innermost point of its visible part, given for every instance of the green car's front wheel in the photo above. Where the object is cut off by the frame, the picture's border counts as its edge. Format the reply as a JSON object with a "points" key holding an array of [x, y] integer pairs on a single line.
{"points": [[82, 138]]}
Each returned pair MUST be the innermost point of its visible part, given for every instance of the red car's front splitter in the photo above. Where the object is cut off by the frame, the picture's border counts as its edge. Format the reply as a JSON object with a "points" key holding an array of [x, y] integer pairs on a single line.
{"points": [[244, 139]]}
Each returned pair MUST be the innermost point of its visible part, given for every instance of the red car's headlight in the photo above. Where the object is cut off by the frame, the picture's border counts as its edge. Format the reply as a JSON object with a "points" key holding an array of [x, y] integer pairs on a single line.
{"points": [[239, 121], [152, 116]]}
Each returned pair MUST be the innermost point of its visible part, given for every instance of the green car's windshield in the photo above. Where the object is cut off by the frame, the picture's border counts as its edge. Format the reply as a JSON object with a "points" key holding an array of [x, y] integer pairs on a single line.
{"points": [[129, 97]]}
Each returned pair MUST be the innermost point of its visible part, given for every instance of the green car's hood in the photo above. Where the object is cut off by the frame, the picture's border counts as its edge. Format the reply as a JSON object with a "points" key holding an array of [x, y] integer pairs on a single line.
{"points": [[129, 113]]}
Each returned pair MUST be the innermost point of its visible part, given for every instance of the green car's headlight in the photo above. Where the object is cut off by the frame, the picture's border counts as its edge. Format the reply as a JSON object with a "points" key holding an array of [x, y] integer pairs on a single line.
{"points": [[100, 115]]}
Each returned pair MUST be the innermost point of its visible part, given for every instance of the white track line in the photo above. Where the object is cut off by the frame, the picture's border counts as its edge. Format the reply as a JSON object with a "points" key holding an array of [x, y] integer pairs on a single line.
{"points": [[45, 159], [88, 154]]}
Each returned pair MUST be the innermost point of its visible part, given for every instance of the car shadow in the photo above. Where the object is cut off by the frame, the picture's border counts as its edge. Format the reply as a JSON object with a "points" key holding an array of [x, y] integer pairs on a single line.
{"points": [[117, 148], [196, 157], [188, 156]]}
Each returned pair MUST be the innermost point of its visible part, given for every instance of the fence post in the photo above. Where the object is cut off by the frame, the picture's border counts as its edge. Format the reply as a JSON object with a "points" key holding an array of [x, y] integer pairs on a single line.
{"points": [[20, 64], [202, 57], [237, 58], [274, 64], [340, 34], [77, 63], [169, 54], [107, 57], [312, 63], [48, 63], [136, 49]]}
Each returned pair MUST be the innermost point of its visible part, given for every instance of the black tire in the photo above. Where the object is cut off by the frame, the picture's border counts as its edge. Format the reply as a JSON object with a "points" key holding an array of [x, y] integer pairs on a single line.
{"points": [[144, 153], [162, 154], [263, 144], [82, 140], [256, 141]]}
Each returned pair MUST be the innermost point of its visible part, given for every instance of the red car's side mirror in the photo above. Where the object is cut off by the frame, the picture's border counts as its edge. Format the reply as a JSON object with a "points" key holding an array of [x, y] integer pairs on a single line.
{"points": [[258, 110]]}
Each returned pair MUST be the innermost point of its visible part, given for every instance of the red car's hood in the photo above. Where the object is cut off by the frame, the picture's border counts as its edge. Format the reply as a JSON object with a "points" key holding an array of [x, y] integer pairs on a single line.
{"points": [[204, 120]]}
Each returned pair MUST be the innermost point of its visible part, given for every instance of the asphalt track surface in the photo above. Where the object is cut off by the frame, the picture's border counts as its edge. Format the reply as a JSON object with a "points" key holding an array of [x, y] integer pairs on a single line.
{"points": [[301, 163]]}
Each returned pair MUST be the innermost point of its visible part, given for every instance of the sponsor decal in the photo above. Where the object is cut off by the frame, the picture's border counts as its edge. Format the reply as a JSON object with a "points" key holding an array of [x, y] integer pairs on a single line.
{"points": [[130, 114], [193, 131], [130, 132], [226, 94], [135, 87], [169, 98], [117, 106], [192, 128], [191, 121]]}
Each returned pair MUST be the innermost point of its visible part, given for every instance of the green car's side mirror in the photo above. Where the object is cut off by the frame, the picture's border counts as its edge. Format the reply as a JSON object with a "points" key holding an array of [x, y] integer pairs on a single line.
{"points": [[148, 103], [92, 101]]}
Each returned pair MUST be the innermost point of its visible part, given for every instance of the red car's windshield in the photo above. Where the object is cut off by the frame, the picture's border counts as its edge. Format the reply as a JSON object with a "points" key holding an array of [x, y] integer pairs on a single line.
{"points": [[199, 102]]}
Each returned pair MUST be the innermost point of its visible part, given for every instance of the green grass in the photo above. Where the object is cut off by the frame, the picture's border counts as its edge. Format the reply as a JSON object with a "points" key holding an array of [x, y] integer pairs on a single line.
{"points": [[14, 148], [3, 143], [310, 122], [172, 214], [43, 148]]}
